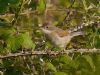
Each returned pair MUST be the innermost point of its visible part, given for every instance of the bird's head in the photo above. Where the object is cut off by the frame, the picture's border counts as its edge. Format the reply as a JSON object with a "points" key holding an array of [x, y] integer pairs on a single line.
{"points": [[47, 27]]}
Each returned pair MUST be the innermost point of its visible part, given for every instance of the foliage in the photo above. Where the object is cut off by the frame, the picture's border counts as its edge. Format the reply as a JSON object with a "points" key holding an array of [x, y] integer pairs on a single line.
{"points": [[20, 32]]}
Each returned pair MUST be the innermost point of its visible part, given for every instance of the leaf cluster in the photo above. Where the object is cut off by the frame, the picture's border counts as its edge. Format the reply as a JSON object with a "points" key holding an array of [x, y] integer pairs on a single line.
{"points": [[20, 31]]}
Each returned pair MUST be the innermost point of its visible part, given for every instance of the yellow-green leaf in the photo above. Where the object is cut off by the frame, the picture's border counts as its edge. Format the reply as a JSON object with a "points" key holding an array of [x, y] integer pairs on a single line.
{"points": [[50, 67], [60, 73], [41, 6]]}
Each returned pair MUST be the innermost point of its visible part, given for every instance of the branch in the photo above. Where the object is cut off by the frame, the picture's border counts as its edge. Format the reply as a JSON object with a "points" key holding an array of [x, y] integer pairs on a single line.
{"points": [[71, 51], [31, 11], [24, 13]]}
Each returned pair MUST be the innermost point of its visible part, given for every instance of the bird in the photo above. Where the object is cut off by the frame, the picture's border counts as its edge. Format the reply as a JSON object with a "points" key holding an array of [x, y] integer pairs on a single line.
{"points": [[58, 37]]}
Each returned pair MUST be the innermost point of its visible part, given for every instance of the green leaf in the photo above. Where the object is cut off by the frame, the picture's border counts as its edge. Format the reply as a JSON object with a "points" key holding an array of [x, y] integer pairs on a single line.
{"points": [[65, 3], [3, 6], [60, 73], [3, 9], [13, 1], [76, 4], [27, 41], [13, 43], [41, 6], [85, 5], [65, 59], [73, 22], [51, 67], [97, 41], [89, 60], [6, 33], [95, 2]]}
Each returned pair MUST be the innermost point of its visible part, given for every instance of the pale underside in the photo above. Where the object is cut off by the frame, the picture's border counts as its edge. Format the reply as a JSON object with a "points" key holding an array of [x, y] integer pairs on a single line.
{"points": [[59, 41]]}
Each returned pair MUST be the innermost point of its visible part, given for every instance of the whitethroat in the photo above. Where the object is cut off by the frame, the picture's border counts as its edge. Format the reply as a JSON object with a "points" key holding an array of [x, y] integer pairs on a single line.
{"points": [[59, 37]]}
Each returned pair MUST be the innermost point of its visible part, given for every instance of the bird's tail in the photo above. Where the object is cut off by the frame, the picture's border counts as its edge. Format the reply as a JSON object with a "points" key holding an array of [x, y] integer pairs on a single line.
{"points": [[76, 34]]}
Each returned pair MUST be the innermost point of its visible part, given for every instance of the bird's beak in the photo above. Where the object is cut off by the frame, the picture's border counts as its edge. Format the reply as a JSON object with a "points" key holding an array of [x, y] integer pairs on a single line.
{"points": [[40, 25]]}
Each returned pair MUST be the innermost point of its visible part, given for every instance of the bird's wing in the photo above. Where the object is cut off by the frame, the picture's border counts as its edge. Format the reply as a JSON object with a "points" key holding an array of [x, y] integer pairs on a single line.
{"points": [[61, 33]]}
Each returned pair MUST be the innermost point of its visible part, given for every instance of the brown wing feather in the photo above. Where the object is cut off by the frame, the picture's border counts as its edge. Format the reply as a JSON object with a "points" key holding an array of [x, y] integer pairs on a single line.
{"points": [[61, 32]]}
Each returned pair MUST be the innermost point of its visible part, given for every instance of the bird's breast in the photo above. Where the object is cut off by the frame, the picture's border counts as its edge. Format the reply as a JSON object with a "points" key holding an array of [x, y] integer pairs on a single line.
{"points": [[59, 41]]}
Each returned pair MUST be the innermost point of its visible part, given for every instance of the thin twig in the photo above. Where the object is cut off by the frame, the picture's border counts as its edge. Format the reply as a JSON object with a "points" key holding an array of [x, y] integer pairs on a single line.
{"points": [[36, 12], [50, 52], [24, 13]]}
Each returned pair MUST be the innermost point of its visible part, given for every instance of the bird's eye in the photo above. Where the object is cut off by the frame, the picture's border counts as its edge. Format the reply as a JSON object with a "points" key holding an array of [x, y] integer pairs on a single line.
{"points": [[46, 26]]}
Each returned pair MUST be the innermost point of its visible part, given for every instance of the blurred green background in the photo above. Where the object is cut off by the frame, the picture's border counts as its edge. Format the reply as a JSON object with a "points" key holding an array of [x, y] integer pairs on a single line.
{"points": [[20, 31]]}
